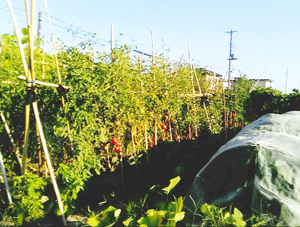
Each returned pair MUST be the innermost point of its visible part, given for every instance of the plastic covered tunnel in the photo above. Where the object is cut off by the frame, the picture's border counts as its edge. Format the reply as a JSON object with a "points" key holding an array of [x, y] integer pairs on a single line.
{"points": [[257, 171]]}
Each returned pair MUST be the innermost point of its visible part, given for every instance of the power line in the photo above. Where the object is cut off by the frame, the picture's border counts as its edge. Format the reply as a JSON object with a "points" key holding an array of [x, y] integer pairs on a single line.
{"points": [[70, 28]]}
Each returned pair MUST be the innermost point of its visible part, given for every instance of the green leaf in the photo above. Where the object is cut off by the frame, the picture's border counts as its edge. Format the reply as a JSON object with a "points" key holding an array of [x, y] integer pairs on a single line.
{"points": [[24, 31], [127, 221], [237, 215], [204, 208], [144, 200], [107, 218], [240, 223], [227, 215], [179, 216], [117, 213], [173, 183], [115, 159], [25, 40], [20, 218], [153, 218], [155, 188], [238, 218], [179, 204], [93, 221]]}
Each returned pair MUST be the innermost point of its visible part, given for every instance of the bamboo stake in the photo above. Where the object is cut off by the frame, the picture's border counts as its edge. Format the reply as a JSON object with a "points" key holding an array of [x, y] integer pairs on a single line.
{"points": [[54, 47], [31, 42], [190, 61], [39, 148], [47, 156], [45, 83], [170, 130], [26, 72], [26, 138], [7, 128], [190, 132], [132, 140], [18, 37], [28, 97], [206, 113], [178, 66], [155, 123], [204, 106], [146, 146], [164, 67], [155, 133], [27, 12], [209, 84], [224, 109], [112, 43], [252, 87], [106, 148], [193, 72], [198, 83], [146, 137], [58, 72], [43, 64], [5, 179], [230, 124], [122, 172], [19, 157], [30, 80], [196, 130], [152, 39]]}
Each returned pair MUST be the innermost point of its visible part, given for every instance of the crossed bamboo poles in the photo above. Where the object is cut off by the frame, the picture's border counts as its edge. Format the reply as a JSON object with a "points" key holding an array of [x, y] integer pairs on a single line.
{"points": [[30, 97]]}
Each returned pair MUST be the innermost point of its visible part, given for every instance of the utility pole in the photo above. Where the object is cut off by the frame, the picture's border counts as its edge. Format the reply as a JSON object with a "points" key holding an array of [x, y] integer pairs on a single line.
{"points": [[40, 24], [286, 79], [231, 58]]}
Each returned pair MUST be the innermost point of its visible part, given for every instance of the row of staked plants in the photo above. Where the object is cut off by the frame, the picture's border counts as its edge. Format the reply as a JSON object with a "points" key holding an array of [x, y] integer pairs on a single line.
{"points": [[114, 100]]}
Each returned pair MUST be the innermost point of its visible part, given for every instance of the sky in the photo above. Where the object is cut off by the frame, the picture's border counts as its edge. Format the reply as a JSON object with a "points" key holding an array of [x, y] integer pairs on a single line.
{"points": [[266, 44]]}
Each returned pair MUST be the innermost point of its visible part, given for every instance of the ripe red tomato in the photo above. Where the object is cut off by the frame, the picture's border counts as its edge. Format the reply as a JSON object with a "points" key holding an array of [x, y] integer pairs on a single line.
{"points": [[163, 126], [114, 140], [118, 149]]}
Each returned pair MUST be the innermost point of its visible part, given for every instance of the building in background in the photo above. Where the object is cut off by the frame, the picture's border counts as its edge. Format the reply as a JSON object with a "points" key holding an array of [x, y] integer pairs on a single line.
{"points": [[265, 83], [212, 79], [262, 82]]}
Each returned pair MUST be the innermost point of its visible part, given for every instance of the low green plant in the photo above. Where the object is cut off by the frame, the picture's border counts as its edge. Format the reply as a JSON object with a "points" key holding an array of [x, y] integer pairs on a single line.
{"points": [[28, 198], [216, 216], [7, 219], [263, 220], [107, 217], [135, 209], [168, 217], [166, 213], [76, 175]]}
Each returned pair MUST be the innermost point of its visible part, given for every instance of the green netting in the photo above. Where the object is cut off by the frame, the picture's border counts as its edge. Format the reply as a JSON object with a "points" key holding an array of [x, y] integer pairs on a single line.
{"points": [[257, 171]]}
